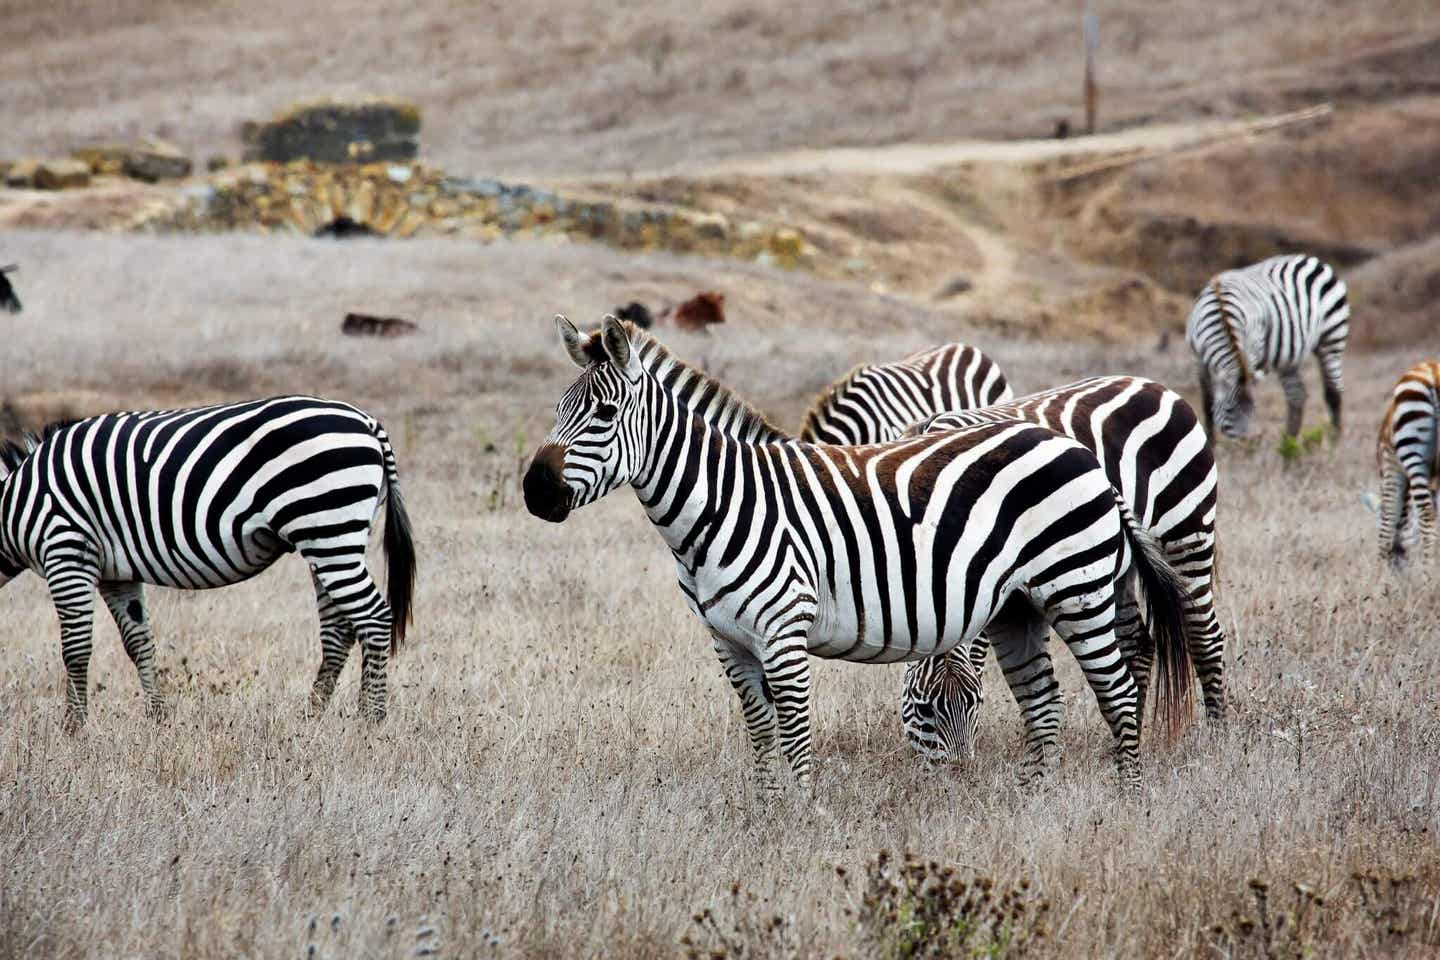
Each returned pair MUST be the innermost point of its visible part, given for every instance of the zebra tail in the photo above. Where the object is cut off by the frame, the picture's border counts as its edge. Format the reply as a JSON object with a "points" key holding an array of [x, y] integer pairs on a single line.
{"points": [[399, 550], [1166, 603]]}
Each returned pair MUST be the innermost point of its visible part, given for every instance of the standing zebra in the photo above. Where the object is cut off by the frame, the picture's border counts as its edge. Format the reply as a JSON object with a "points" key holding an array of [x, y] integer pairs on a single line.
{"points": [[873, 554], [205, 498], [1152, 448], [874, 402], [1268, 316], [1409, 456]]}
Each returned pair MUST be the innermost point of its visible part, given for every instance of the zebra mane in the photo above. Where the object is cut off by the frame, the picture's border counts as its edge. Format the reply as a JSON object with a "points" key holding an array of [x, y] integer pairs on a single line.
{"points": [[15, 452], [716, 403], [829, 395], [1241, 356]]}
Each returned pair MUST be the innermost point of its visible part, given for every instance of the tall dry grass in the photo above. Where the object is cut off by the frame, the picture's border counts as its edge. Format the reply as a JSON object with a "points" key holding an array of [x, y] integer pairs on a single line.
{"points": [[564, 770]]}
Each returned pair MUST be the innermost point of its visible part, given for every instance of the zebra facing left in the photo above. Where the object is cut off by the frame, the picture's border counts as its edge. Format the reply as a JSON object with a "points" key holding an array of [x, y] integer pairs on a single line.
{"points": [[209, 497], [1268, 316], [876, 554]]}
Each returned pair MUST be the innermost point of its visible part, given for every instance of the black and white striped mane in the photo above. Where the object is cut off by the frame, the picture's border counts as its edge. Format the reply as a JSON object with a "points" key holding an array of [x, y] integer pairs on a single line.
{"points": [[17, 451], [701, 393]]}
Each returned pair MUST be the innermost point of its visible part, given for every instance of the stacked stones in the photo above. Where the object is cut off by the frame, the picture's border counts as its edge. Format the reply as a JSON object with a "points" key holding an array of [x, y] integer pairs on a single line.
{"points": [[410, 199]]}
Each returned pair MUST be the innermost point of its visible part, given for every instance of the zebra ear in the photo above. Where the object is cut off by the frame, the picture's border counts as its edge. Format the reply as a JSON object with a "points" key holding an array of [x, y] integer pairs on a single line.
{"points": [[573, 340], [616, 341]]}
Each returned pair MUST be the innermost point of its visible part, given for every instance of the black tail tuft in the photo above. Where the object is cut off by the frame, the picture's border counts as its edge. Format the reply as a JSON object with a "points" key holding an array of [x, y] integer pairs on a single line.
{"points": [[1166, 604], [399, 554]]}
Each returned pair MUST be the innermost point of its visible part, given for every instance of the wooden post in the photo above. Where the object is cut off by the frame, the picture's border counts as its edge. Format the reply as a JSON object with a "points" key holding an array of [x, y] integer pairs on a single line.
{"points": [[1091, 26]]}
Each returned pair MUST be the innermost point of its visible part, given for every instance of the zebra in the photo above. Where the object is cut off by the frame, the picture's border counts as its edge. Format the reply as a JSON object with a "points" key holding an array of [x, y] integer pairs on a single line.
{"points": [[872, 554], [208, 497], [1408, 453], [1268, 316], [875, 402], [1151, 446], [9, 299]]}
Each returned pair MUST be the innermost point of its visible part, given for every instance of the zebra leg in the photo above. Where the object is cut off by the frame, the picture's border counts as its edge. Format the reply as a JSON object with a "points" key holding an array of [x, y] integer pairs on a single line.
{"points": [[126, 603], [747, 676], [787, 675], [1422, 502], [337, 636], [1393, 503], [1087, 625], [72, 590], [1330, 375], [1020, 646], [352, 591], [1136, 644], [1294, 386]]}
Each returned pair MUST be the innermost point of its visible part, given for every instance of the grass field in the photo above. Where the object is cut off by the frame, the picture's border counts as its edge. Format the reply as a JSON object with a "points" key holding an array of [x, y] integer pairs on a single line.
{"points": [[564, 769]]}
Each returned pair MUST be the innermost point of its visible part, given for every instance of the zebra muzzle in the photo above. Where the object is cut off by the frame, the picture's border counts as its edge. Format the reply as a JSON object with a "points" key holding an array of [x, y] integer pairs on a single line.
{"points": [[547, 496]]}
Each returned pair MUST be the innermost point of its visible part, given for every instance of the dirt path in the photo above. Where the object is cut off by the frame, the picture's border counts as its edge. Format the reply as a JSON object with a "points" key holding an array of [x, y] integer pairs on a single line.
{"points": [[911, 159]]}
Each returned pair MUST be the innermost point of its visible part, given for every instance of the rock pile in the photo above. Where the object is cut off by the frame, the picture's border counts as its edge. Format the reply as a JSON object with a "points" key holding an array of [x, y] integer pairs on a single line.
{"points": [[409, 199], [148, 160], [328, 131]]}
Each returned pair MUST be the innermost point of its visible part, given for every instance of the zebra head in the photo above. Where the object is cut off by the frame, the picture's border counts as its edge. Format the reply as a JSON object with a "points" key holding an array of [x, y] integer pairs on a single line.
{"points": [[940, 707], [596, 443], [1233, 406]]}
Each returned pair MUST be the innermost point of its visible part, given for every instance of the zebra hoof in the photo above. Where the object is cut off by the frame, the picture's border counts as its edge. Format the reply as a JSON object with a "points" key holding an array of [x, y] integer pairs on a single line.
{"points": [[158, 711]]}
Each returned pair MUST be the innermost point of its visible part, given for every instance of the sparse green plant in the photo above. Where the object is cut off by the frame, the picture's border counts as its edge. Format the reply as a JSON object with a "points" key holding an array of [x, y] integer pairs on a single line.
{"points": [[918, 910]]}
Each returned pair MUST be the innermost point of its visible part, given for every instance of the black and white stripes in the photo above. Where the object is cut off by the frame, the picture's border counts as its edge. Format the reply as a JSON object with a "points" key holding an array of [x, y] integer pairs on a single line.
{"points": [[873, 554], [1268, 316], [204, 498], [1408, 452], [876, 401]]}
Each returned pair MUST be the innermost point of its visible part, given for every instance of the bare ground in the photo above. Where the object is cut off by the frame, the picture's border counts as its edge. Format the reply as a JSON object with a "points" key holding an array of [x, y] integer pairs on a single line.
{"points": [[565, 767]]}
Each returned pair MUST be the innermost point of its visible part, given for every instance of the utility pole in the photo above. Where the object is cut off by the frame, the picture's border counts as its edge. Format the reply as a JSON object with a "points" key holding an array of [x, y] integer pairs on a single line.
{"points": [[1091, 24]]}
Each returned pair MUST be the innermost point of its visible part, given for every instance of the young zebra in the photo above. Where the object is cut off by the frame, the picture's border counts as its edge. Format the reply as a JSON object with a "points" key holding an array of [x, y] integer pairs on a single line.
{"points": [[873, 554], [1268, 316], [1152, 448], [874, 402], [1409, 457], [206, 498]]}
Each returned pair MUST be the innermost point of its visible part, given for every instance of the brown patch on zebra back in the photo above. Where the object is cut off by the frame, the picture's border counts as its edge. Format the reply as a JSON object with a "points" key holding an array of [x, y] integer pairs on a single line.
{"points": [[1230, 332]]}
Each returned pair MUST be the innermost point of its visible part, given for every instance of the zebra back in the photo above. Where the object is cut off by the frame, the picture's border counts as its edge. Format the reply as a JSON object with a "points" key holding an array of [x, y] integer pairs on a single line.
{"points": [[873, 403]]}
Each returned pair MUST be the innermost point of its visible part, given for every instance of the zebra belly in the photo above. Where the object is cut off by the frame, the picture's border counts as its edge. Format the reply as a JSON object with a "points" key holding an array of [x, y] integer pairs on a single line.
{"points": [[196, 568]]}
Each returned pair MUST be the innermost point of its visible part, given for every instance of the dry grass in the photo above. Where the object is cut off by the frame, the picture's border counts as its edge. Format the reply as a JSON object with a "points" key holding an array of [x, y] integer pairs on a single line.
{"points": [[564, 766], [560, 86]]}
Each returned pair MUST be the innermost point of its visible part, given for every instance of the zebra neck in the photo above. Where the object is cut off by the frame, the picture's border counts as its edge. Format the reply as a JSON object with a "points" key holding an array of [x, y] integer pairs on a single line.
{"points": [[689, 474]]}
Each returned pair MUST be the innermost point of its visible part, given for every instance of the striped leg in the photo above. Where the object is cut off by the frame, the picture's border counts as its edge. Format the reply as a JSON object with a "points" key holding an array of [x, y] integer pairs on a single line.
{"points": [[1331, 358], [787, 674], [1020, 647], [355, 596], [1207, 400], [1393, 503], [337, 636], [747, 676], [126, 603], [72, 589], [1136, 644], [1294, 388], [1207, 640], [1422, 505], [1087, 625]]}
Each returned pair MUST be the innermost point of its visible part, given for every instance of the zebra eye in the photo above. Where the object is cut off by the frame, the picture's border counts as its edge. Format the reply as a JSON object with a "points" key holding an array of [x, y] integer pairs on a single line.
{"points": [[605, 411]]}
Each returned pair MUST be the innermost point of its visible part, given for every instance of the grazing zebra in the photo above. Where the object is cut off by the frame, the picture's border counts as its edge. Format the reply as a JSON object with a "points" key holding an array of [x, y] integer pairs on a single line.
{"points": [[1409, 456], [1152, 448], [873, 554], [1268, 316], [874, 402], [206, 498], [9, 299]]}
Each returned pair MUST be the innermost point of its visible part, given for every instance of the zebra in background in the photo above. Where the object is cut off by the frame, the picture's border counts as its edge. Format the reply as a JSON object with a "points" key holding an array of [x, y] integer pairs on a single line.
{"points": [[206, 498], [872, 554], [9, 299], [874, 402], [1409, 458], [1268, 316], [1154, 452]]}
